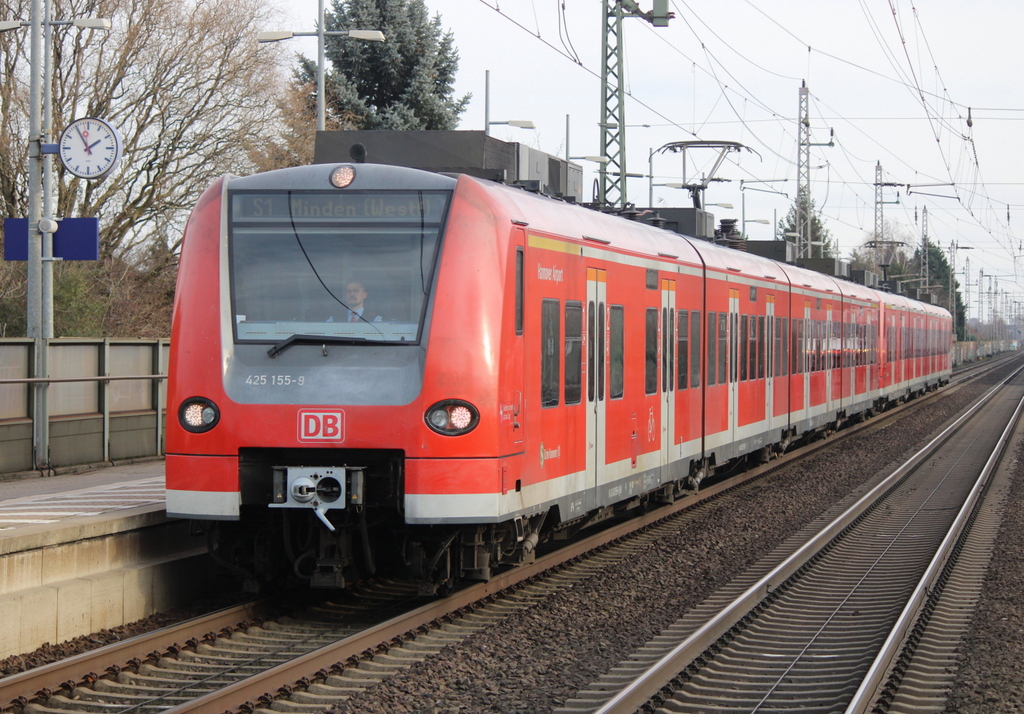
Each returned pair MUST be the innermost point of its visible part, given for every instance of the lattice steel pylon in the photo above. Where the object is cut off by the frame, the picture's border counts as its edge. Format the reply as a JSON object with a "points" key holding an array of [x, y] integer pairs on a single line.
{"points": [[804, 224], [925, 252], [613, 100], [612, 184], [803, 176]]}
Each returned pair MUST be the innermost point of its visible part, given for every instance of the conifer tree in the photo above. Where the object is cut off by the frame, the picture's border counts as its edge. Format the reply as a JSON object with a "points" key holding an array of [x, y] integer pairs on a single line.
{"points": [[405, 82], [819, 233]]}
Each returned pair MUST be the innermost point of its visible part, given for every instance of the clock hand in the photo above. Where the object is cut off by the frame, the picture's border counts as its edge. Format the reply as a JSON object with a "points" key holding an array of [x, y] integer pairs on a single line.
{"points": [[85, 141], [88, 148]]}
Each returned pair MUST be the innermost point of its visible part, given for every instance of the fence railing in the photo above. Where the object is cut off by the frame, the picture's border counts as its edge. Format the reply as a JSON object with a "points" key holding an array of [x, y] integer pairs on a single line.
{"points": [[105, 400], [964, 352]]}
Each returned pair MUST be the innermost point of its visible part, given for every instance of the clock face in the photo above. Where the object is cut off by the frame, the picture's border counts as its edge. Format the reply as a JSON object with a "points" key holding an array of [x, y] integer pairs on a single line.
{"points": [[90, 148]]}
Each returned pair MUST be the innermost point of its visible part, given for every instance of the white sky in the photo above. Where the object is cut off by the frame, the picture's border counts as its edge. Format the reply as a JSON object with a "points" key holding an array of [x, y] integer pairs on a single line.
{"points": [[894, 80]]}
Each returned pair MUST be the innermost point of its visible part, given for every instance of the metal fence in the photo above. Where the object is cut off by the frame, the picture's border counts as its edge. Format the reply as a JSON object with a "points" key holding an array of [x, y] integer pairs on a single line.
{"points": [[106, 400], [964, 352]]}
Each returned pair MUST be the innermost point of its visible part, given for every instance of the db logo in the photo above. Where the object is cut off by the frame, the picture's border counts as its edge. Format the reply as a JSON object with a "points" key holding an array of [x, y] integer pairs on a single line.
{"points": [[317, 425]]}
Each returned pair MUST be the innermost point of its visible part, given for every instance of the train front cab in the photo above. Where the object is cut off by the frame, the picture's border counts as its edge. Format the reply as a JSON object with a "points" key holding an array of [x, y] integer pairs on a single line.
{"points": [[411, 419]]}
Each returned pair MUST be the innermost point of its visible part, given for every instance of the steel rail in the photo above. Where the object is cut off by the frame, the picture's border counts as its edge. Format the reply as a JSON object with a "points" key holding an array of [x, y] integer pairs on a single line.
{"points": [[868, 691], [25, 685], [263, 686], [285, 675], [647, 685], [85, 665]]}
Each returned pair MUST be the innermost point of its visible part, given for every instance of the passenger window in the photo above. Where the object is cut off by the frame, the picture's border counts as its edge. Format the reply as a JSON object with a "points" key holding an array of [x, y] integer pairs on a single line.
{"points": [[784, 346], [743, 348], [752, 338], [695, 349], [519, 291], [591, 349], [712, 345], [761, 347], [600, 352], [616, 353], [651, 344], [549, 363], [734, 338], [683, 348], [795, 338], [667, 343], [779, 354], [573, 352], [723, 356]]}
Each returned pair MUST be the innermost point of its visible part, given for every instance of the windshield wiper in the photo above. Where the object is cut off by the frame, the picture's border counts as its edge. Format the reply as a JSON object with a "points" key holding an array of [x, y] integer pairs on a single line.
{"points": [[313, 340]]}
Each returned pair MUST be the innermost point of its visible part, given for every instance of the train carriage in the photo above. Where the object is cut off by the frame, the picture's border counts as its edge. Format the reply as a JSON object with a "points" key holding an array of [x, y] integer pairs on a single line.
{"points": [[377, 368]]}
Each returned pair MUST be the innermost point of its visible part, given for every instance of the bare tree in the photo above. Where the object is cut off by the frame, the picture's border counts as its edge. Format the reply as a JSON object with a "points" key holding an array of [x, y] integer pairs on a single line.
{"points": [[891, 251], [293, 143], [188, 87]]}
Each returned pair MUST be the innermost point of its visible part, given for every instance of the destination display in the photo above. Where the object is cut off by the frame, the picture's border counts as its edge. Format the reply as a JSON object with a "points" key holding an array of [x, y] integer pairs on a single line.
{"points": [[332, 206]]}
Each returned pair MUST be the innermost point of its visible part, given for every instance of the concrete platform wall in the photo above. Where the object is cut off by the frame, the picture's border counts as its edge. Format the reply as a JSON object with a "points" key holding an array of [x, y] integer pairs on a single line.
{"points": [[55, 589]]}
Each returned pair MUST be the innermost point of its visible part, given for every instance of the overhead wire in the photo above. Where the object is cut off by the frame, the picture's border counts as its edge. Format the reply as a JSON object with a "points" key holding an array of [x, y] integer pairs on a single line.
{"points": [[970, 184]]}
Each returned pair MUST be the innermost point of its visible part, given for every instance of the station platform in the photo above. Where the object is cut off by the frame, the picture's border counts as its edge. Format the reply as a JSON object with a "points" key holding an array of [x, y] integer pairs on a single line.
{"points": [[90, 550], [46, 501]]}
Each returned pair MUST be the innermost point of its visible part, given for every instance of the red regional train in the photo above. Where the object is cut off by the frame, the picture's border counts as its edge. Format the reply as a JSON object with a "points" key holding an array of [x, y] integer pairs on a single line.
{"points": [[379, 369]]}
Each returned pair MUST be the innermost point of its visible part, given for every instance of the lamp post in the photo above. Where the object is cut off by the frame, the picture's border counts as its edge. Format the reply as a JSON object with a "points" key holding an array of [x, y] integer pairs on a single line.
{"points": [[953, 248], [320, 34], [39, 288], [763, 221], [518, 123], [650, 171]]}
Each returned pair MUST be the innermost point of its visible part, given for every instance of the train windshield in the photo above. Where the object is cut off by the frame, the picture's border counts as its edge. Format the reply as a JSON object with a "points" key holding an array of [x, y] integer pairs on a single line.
{"points": [[343, 265]]}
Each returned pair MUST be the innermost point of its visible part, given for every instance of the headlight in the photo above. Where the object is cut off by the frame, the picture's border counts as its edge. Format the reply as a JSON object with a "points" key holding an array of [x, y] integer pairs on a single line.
{"points": [[197, 414], [343, 176], [452, 417]]}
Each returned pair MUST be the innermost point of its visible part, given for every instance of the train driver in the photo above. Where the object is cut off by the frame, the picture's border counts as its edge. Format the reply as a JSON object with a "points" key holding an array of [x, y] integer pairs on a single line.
{"points": [[355, 297]]}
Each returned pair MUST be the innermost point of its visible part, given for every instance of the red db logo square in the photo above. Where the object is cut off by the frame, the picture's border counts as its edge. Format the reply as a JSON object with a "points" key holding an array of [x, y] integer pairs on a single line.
{"points": [[320, 425]]}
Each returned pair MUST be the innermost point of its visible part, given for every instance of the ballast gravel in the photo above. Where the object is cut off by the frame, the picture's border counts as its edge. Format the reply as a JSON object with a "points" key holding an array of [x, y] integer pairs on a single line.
{"points": [[990, 678], [535, 660]]}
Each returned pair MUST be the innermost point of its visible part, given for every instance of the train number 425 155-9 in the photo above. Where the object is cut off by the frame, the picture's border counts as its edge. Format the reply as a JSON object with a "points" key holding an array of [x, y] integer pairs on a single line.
{"points": [[274, 380]]}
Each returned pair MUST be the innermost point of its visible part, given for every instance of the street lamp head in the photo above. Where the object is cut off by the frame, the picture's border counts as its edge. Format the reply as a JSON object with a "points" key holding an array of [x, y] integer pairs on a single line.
{"points": [[371, 35], [8, 25], [758, 220], [727, 206], [518, 123], [92, 23], [595, 159], [274, 36]]}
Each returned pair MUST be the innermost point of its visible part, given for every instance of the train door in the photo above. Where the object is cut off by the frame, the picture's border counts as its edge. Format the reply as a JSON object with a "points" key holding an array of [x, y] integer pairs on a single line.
{"points": [[827, 351], [668, 362], [805, 369], [518, 419], [732, 360], [596, 415], [770, 358]]}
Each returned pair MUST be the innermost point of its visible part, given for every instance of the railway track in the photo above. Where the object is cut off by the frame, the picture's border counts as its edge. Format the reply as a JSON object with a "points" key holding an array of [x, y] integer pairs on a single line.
{"points": [[833, 627], [240, 661]]}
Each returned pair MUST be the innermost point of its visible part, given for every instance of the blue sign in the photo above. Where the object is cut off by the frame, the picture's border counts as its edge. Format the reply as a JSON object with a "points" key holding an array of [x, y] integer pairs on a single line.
{"points": [[75, 239]]}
